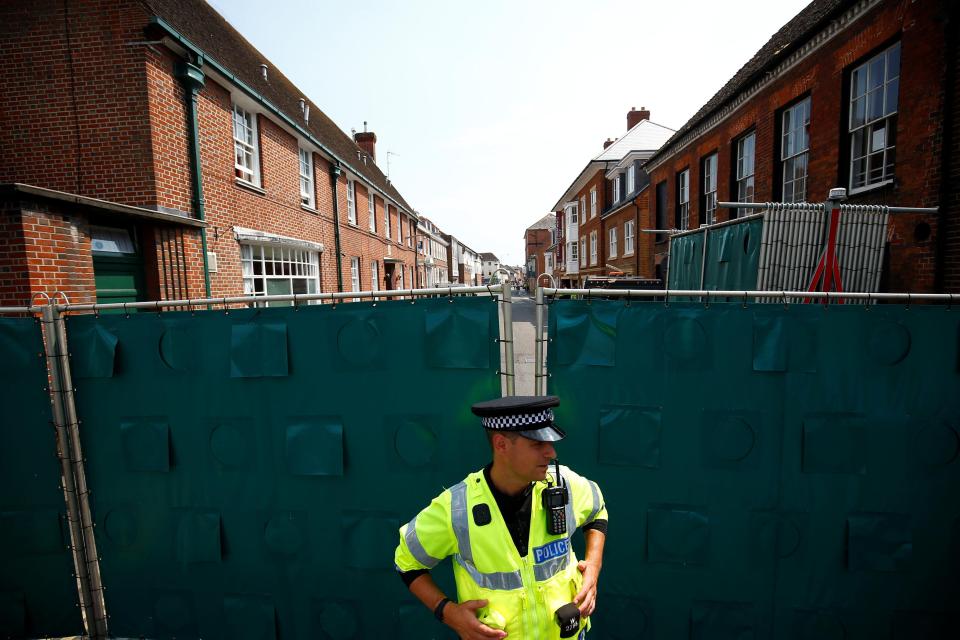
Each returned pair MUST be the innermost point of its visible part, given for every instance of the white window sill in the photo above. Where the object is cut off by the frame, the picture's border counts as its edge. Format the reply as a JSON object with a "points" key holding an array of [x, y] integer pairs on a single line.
{"points": [[627, 254], [309, 208], [250, 186], [870, 187]]}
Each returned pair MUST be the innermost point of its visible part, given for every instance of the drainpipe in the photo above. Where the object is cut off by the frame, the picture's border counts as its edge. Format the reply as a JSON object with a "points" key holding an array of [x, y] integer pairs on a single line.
{"points": [[335, 172], [192, 77]]}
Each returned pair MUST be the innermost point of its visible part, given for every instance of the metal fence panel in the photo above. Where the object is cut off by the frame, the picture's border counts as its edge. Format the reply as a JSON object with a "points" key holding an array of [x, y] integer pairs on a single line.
{"points": [[250, 468], [770, 471], [731, 262], [38, 594]]}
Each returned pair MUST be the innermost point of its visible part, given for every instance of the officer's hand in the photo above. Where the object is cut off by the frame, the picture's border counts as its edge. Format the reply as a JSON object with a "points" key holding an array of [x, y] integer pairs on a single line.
{"points": [[586, 599], [462, 618]]}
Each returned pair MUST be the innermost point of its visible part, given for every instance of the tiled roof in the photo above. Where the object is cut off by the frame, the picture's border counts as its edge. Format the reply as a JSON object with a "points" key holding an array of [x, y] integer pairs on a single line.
{"points": [[644, 136], [784, 42], [489, 257], [548, 221], [209, 31]]}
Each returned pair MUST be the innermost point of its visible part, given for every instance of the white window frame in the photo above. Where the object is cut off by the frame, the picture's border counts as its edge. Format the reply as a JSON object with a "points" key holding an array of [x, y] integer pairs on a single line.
{"points": [[631, 178], [683, 198], [386, 219], [872, 119], [616, 189], [628, 237], [246, 146], [746, 164], [355, 275], [593, 202], [794, 151], [307, 194], [572, 248], [351, 202], [612, 242], [399, 227], [710, 164], [583, 251], [261, 264], [374, 276], [576, 211], [372, 208], [593, 248]]}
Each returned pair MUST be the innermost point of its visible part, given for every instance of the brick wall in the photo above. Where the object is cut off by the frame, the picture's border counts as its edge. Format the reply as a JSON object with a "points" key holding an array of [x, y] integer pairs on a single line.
{"points": [[823, 76], [80, 97], [625, 262]]}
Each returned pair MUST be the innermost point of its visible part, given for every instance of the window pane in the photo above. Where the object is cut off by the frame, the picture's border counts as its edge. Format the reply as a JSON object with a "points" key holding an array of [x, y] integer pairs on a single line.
{"points": [[893, 61], [299, 286], [875, 74], [878, 138], [858, 113], [858, 82], [892, 89], [874, 105]]}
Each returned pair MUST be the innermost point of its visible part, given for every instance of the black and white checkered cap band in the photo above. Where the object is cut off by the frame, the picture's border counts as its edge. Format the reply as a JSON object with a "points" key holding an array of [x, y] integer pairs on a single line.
{"points": [[511, 423]]}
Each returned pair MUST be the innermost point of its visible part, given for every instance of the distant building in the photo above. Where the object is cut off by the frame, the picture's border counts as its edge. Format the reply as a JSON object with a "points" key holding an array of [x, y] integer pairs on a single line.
{"points": [[540, 240], [598, 216], [490, 264]]}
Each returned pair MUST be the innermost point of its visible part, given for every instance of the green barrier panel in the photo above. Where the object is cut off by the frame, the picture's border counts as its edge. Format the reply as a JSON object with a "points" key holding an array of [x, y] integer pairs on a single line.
{"points": [[250, 469], [686, 256], [38, 594], [732, 261], [770, 471]]}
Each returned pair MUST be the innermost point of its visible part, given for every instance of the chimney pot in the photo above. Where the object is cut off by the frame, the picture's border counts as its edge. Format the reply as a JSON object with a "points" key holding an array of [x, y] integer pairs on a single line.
{"points": [[608, 143], [367, 140], [635, 117]]}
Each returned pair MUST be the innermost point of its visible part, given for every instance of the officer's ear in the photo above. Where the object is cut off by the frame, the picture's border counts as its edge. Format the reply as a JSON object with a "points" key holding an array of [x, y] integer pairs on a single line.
{"points": [[499, 441]]}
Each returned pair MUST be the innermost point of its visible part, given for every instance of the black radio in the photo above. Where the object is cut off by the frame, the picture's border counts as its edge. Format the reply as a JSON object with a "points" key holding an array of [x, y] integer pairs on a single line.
{"points": [[554, 504]]}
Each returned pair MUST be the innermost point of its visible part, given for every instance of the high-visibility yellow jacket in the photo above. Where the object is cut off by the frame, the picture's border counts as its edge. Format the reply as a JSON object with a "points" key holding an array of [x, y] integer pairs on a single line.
{"points": [[523, 593]]}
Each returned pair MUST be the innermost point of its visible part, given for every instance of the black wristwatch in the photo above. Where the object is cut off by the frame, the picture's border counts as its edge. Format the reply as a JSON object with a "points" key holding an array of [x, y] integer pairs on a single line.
{"points": [[438, 610]]}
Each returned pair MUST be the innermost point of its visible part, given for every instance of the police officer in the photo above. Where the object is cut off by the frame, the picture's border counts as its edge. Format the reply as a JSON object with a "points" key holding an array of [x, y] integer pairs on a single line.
{"points": [[508, 528]]}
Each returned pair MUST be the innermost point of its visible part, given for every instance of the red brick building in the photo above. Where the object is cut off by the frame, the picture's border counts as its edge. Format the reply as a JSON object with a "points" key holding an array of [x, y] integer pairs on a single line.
{"points": [[147, 129], [599, 213], [860, 95], [538, 239]]}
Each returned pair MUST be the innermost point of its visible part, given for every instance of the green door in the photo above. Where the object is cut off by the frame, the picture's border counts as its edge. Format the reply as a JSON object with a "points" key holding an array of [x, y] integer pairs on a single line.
{"points": [[117, 265]]}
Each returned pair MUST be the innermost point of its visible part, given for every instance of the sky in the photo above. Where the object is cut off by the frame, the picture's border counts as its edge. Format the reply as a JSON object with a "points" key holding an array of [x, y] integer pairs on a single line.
{"points": [[489, 110]]}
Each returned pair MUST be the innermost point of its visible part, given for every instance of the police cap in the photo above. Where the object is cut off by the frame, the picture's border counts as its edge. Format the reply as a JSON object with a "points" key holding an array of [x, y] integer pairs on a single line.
{"points": [[530, 416]]}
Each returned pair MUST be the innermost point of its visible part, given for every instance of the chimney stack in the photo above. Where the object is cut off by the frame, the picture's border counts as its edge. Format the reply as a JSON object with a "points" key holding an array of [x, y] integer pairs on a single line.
{"points": [[635, 117], [608, 143], [367, 141]]}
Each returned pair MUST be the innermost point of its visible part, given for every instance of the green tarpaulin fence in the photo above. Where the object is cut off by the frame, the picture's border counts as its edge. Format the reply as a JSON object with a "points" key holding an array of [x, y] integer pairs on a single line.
{"points": [[732, 260], [250, 469], [770, 471], [38, 596]]}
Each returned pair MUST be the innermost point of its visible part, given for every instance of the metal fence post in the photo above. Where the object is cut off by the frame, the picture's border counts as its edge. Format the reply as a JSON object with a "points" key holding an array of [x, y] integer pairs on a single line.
{"points": [[538, 375], [507, 301], [78, 549], [74, 476]]}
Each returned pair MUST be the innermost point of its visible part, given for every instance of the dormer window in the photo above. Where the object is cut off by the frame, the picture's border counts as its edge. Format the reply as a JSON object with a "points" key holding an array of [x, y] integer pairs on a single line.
{"points": [[631, 178], [616, 189]]}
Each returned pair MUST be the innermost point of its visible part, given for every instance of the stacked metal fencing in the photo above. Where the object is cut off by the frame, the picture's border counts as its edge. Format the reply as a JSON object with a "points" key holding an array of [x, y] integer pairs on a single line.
{"points": [[248, 468], [778, 249], [771, 470]]}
